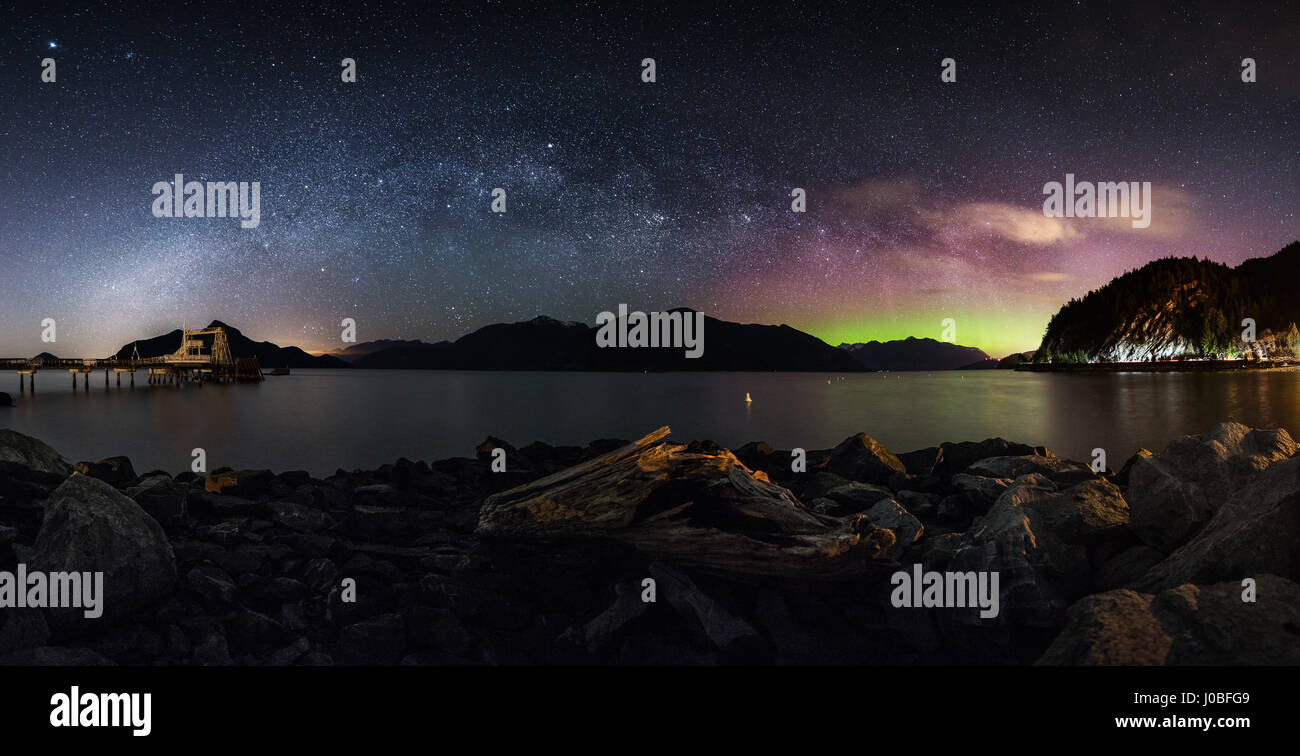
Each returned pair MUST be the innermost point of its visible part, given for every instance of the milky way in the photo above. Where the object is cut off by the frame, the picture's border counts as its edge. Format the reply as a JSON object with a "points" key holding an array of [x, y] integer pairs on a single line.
{"points": [[924, 197]]}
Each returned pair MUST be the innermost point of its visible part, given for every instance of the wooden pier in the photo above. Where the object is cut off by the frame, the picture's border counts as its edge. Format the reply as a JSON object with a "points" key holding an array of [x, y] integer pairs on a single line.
{"points": [[204, 357]]}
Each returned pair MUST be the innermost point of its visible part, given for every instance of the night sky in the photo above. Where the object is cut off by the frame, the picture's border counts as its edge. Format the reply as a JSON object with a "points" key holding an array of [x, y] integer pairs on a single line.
{"points": [[924, 198]]}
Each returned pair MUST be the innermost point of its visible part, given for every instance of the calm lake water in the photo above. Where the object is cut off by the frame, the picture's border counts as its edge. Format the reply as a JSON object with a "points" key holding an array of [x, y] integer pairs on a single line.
{"points": [[320, 420]]}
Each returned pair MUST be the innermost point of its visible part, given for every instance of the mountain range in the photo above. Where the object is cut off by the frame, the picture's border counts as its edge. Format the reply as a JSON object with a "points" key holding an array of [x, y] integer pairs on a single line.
{"points": [[544, 343], [1182, 307], [355, 352], [914, 354]]}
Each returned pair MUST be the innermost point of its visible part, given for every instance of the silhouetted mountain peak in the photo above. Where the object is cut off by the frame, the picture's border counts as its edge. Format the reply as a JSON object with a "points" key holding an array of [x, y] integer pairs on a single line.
{"points": [[267, 353], [913, 353]]}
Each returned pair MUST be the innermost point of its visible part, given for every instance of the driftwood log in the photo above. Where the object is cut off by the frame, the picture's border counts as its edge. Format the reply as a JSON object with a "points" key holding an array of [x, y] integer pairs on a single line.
{"points": [[702, 508]]}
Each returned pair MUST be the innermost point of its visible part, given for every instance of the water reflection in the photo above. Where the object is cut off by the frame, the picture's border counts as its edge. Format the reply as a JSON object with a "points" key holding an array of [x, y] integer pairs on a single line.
{"points": [[321, 420]]}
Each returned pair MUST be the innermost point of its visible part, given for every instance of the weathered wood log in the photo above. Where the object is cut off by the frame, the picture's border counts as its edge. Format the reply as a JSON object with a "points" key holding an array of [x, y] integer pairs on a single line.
{"points": [[688, 506]]}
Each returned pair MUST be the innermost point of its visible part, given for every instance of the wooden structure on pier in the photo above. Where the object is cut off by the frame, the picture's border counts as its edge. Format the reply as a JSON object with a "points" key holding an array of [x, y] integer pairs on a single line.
{"points": [[203, 357]]}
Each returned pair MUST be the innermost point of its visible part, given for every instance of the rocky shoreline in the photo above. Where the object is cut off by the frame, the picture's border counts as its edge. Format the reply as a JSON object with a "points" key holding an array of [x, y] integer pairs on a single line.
{"points": [[548, 562]]}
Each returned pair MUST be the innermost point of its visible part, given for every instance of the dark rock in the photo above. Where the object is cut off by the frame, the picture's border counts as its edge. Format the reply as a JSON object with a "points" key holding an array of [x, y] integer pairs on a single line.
{"points": [[90, 527], [864, 459], [375, 523], [819, 483], [55, 656], [315, 659], [1014, 467], [176, 647], [212, 583], [320, 575], [213, 651], [194, 552], [979, 492], [855, 497], [936, 552], [22, 629], [920, 483], [214, 506], [1186, 625], [278, 591], [958, 456], [285, 657], [255, 631], [1175, 492], [115, 471], [379, 640], [438, 629], [6, 400], [726, 630], [1125, 473], [954, 511], [604, 630], [1038, 539], [756, 450], [888, 514], [921, 461], [293, 478], [1126, 568], [247, 557], [1254, 530], [27, 451], [302, 518], [923, 506], [131, 643], [160, 496], [431, 658]]}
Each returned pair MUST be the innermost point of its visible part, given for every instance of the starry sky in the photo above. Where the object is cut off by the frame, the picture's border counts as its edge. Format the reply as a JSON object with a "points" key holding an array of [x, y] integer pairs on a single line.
{"points": [[924, 198]]}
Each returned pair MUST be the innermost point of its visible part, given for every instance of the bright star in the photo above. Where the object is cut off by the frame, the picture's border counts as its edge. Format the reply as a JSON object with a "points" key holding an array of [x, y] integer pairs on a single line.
{"points": [[53, 45]]}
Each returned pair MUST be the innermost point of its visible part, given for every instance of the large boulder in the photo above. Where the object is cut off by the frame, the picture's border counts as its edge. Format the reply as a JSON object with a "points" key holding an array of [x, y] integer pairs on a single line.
{"points": [[162, 497], [855, 497], [956, 457], [921, 461], [891, 516], [115, 471], [1041, 540], [864, 459], [1255, 530], [1189, 624], [979, 492], [725, 629], [27, 451], [1174, 493], [693, 507], [1014, 467], [91, 527]]}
